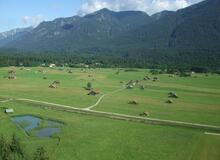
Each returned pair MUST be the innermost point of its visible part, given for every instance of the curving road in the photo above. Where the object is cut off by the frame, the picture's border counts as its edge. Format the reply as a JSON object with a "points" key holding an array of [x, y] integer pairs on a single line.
{"points": [[100, 99]]}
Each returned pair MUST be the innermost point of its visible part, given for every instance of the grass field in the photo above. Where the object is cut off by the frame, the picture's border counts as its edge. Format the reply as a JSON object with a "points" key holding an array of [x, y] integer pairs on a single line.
{"points": [[91, 137]]}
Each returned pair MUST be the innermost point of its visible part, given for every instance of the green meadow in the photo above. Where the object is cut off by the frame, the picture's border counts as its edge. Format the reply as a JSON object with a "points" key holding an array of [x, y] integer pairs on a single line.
{"points": [[91, 137]]}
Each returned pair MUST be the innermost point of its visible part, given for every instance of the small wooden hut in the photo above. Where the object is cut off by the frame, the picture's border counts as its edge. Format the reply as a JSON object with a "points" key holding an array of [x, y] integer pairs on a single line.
{"points": [[93, 93], [133, 102], [169, 101], [52, 86], [145, 114], [173, 95]]}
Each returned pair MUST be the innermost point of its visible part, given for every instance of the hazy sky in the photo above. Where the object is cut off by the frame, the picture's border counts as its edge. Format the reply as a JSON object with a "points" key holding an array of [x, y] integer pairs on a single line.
{"points": [[23, 13]]}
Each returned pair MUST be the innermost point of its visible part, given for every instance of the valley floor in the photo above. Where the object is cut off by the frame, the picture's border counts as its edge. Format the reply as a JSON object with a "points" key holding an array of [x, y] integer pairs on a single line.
{"points": [[94, 137]]}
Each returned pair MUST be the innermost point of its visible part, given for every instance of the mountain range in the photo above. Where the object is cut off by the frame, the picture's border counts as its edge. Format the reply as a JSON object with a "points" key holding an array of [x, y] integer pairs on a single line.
{"points": [[190, 30], [9, 36]]}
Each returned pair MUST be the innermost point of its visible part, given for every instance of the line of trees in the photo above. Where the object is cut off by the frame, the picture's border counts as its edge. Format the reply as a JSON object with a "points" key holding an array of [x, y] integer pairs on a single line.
{"points": [[201, 61], [13, 150]]}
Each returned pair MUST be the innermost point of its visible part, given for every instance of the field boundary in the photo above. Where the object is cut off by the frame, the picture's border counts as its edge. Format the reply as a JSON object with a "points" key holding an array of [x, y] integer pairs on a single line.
{"points": [[120, 116]]}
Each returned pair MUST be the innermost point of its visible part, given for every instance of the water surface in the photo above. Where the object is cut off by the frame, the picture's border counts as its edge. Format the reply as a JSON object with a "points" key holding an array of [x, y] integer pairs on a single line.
{"points": [[37, 126]]}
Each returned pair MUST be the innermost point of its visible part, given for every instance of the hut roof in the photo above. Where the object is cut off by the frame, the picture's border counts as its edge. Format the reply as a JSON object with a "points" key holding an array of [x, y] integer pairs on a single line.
{"points": [[56, 82], [147, 77], [93, 93], [12, 71], [133, 102], [173, 95], [145, 114], [169, 101], [130, 82], [11, 77], [129, 86], [52, 86]]}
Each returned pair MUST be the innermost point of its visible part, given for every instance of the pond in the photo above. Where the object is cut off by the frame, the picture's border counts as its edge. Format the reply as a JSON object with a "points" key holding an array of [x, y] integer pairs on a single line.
{"points": [[35, 126]]}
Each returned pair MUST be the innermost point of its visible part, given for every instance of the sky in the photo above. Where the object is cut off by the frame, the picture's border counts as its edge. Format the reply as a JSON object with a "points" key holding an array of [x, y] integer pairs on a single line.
{"points": [[24, 13]]}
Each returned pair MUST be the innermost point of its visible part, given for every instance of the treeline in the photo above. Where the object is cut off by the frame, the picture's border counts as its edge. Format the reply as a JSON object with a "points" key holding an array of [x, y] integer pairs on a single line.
{"points": [[13, 151], [203, 61]]}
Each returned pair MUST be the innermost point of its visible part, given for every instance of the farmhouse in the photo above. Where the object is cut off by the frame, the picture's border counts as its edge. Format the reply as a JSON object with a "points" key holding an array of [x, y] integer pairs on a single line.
{"points": [[9, 110]]}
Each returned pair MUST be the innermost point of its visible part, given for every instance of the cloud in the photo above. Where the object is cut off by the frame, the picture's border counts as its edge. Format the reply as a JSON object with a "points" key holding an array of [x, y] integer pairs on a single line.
{"points": [[32, 20], [149, 6]]}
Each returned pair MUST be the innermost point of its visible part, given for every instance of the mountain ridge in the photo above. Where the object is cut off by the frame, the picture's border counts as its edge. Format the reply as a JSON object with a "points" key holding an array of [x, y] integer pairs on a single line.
{"points": [[191, 28]]}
